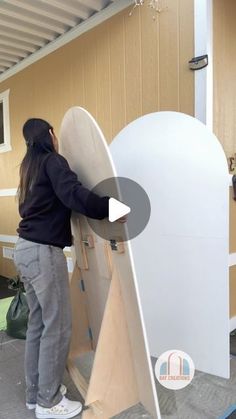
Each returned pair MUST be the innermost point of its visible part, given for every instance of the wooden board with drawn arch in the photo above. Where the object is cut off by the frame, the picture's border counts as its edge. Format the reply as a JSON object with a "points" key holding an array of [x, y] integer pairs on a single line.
{"points": [[121, 373]]}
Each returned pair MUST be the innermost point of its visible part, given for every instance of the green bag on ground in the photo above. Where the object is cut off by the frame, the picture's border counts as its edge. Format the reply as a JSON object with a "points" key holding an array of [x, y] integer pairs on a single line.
{"points": [[17, 316]]}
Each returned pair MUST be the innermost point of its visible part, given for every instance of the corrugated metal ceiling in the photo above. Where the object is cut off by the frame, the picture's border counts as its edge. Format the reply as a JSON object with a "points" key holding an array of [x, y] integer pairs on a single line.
{"points": [[27, 26]]}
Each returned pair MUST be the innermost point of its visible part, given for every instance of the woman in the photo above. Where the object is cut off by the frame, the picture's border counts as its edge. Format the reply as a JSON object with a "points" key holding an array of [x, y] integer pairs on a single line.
{"points": [[47, 192]]}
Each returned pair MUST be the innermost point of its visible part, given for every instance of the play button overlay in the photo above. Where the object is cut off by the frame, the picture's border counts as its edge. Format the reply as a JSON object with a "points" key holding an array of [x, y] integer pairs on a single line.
{"points": [[127, 199], [117, 210]]}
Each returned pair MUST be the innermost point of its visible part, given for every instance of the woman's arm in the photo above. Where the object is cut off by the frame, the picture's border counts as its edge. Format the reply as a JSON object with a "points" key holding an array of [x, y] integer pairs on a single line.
{"points": [[71, 192]]}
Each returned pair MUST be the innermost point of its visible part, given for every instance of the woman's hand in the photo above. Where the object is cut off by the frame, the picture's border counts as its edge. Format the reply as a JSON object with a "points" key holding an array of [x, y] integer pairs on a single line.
{"points": [[122, 220]]}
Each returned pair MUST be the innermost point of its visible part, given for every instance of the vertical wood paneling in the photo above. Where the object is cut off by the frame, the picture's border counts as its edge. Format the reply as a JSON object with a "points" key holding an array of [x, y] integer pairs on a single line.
{"points": [[103, 79], [52, 83], [76, 83], [224, 102], [9, 217], [7, 267], [126, 67], [224, 73], [186, 77], [169, 57], [90, 73], [143, 69], [149, 30], [132, 66], [232, 284], [117, 74]]}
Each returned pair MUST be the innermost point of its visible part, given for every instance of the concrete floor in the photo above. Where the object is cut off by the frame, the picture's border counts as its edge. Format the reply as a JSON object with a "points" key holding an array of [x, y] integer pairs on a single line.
{"points": [[207, 397], [12, 386]]}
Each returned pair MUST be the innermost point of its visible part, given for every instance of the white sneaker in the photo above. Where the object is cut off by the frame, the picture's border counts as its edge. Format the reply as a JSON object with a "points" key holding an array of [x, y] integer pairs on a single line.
{"points": [[64, 410], [32, 406]]}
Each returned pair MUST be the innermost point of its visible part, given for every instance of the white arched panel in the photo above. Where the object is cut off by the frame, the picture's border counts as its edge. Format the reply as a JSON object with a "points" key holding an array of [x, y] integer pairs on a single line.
{"points": [[181, 258]]}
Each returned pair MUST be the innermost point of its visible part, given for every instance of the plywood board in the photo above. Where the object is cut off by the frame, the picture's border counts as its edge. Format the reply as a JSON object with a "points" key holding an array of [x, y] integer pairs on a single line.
{"points": [[84, 146], [78, 249], [80, 341], [108, 385], [84, 158]]}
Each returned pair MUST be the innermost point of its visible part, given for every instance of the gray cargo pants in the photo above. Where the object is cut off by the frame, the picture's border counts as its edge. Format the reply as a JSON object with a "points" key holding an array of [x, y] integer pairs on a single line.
{"points": [[43, 270]]}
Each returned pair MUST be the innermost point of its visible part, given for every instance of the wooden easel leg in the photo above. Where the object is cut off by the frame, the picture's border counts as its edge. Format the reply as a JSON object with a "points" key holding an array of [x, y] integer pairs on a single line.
{"points": [[112, 386], [80, 341]]}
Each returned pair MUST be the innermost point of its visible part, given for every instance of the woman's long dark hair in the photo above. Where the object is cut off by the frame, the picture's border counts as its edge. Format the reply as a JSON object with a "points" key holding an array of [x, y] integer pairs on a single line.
{"points": [[39, 143]]}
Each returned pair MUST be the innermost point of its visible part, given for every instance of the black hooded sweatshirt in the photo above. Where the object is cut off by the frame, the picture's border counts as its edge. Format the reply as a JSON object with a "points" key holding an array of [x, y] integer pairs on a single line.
{"points": [[46, 211]]}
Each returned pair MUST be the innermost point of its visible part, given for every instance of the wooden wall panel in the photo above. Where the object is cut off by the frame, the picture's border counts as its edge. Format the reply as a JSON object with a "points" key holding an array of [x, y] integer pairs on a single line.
{"points": [[150, 62], [7, 267], [232, 285], [186, 85], [224, 102], [90, 74], [169, 58], [76, 67], [132, 66], [126, 67], [224, 18], [103, 78], [117, 74], [9, 217]]}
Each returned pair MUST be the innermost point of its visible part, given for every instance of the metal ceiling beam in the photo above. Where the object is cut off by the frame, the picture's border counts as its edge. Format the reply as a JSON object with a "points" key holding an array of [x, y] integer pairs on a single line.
{"points": [[34, 22], [17, 44], [20, 17], [35, 8], [21, 37], [22, 28], [7, 63], [97, 18], [96, 5], [13, 51], [9, 57], [82, 12]]}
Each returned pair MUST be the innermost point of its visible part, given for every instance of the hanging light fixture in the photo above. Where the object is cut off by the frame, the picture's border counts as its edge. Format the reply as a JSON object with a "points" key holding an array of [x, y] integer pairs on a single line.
{"points": [[155, 5]]}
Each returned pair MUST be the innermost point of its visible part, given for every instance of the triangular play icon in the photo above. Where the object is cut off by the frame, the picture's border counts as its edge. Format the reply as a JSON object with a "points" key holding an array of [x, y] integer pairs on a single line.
{"points": [[117, 210]]}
